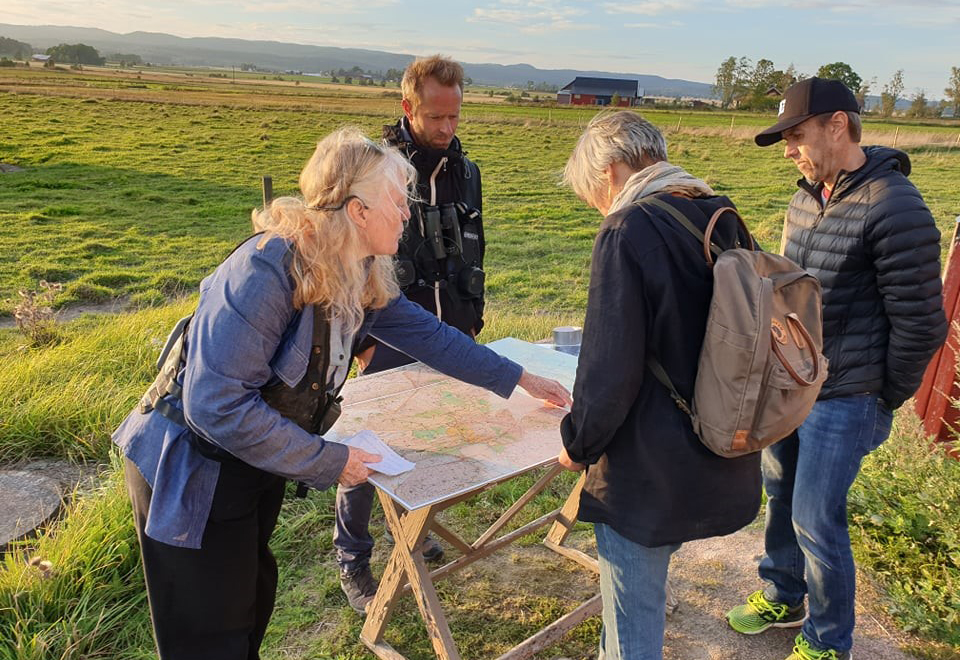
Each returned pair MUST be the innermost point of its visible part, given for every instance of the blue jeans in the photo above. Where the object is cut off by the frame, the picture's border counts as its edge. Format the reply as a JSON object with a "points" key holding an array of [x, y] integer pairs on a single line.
{"points": [[807, 476], [633, 582], [351, 535]]}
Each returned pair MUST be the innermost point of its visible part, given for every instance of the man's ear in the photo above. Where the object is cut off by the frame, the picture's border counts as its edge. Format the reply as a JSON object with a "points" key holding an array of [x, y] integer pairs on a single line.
{"points": [[407, 108], [838, 124]]}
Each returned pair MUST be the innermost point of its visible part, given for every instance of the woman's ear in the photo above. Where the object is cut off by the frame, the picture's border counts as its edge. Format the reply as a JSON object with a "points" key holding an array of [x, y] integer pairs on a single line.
{"points": [[357, 212]]}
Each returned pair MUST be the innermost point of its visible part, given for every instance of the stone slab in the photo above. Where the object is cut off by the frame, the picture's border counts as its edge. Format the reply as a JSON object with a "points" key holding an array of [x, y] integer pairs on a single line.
{"points": [[27, 500]]}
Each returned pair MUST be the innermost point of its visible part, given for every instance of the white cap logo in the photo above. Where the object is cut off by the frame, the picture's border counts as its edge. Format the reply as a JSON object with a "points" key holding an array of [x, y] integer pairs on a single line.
{"points": [[783, 106]]}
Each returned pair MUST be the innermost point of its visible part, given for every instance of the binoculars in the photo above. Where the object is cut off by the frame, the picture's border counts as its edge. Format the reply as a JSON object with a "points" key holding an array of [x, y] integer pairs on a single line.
{"points": [[442, 227]]}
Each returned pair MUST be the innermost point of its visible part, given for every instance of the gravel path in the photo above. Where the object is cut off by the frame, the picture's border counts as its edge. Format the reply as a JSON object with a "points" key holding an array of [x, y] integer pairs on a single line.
{"points": [[711, 576]]}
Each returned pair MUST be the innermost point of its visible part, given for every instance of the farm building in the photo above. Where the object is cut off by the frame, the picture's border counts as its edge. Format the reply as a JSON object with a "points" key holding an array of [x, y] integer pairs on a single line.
{"points": [[599, 91]]}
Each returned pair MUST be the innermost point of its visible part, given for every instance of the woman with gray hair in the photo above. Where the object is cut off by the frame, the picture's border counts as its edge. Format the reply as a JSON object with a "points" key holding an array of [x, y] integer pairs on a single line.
{"points": [[252, 384], [651, 484]]}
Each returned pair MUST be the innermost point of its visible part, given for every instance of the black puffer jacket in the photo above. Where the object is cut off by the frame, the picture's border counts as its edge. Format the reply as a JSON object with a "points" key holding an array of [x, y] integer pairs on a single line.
{"points": [[875, 248]]}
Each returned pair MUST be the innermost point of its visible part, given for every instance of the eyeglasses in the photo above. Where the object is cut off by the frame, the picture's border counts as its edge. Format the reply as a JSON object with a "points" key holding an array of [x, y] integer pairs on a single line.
{"points": [[346, 200]]}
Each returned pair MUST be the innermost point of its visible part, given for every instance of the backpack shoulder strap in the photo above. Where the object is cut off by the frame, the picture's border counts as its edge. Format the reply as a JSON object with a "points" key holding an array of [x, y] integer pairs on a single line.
{"points": [[683, 220], [661, 374], [710, 249]]}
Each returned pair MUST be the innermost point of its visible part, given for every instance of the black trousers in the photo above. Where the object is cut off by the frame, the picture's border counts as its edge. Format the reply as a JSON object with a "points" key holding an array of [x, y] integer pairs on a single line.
{"points": [[214, 603]]}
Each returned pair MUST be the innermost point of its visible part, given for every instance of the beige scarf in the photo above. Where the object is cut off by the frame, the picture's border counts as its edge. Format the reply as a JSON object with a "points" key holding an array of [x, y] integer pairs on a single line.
{"points": [[659, 177]]}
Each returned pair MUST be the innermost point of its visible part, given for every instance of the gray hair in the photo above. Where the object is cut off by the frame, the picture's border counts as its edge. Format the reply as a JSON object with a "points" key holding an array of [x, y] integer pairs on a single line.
{"points": [[612, 137]]}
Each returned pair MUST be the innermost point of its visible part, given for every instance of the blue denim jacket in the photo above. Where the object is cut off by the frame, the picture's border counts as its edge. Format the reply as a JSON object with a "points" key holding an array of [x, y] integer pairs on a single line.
{"points": [[245, 334]]}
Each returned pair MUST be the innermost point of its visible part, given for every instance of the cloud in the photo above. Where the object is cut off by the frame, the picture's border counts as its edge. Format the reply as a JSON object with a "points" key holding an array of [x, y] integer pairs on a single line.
{"points": [[531, 16], [653, 26], [649, 7], [306, 7]]}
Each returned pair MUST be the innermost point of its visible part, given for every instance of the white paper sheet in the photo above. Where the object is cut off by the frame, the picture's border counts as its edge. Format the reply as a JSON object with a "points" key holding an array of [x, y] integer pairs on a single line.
{"points": [[391, 464]]}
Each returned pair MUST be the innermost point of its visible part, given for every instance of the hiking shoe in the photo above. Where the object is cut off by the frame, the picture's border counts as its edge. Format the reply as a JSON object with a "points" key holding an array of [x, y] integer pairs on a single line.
{"points": [[759, 614], [359, 587], [803, 651], [430, 548]]}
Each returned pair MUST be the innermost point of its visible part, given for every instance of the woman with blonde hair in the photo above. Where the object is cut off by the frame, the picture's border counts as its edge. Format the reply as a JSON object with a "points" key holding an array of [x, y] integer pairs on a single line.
{"points": [[251, 385]]}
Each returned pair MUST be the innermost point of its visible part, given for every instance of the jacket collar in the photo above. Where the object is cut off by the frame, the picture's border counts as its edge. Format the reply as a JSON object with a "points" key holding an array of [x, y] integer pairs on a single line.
{"points": [[400, 136], [880, 160]]}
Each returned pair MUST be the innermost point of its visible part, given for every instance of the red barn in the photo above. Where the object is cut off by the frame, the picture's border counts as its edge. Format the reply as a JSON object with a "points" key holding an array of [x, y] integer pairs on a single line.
{"points": [[599, 91]]}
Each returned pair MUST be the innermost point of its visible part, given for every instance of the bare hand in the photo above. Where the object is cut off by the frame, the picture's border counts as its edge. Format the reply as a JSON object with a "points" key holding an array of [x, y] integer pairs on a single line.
{"points": [[364, 357], [565, 460], [546, 389], [355, 472]]}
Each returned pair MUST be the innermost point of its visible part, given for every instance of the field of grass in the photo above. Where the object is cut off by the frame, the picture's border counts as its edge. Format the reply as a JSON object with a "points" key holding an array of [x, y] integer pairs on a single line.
{"points": [[135, 188]]}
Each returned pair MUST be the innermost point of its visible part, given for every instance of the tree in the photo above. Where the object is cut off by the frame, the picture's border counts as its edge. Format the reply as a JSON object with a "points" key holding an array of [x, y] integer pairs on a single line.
{"points": [[953, 91], [75, 54], [727, 81], [615, 99], [918, 106], [787, 78], [843, 72], [18, 49], [125, 59], [891, 94], [763, 76], [348, 80], [862, 92]]}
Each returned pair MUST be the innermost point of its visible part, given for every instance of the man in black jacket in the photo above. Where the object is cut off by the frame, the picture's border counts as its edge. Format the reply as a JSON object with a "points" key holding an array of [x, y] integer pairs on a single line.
{"points": [[861, 227], [439, 266]]}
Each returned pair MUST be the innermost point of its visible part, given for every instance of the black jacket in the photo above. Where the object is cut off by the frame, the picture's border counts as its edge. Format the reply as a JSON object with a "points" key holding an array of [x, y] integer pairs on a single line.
{"points": [[875, 248], [456, 181], [648, 476]]}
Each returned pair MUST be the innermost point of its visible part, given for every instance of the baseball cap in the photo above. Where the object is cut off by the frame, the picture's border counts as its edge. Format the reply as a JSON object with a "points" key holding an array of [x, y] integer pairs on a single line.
{"points": [[805, 99]]}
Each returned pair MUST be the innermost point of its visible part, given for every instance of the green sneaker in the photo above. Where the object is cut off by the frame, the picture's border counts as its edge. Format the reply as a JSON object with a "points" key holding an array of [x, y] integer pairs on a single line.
{"points": [[759, 614], [803, 651]]}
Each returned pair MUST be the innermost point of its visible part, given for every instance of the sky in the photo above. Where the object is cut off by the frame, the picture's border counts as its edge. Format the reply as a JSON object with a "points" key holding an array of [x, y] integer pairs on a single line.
{"points": [[672, 38]]}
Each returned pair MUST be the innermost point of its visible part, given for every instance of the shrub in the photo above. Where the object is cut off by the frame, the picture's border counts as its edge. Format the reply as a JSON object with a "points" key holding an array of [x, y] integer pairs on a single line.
{"points": [[904, 509], [34, 313]]}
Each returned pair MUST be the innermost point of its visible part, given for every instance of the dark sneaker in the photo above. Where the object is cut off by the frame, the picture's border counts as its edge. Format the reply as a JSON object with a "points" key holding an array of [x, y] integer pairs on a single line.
{"points": [[759, 614], [359, 587], [803, 651], [430, 548]]}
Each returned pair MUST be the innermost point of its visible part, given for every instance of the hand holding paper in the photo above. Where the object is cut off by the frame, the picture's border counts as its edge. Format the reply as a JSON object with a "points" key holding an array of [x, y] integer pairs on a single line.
{"points": [[391, 463]]}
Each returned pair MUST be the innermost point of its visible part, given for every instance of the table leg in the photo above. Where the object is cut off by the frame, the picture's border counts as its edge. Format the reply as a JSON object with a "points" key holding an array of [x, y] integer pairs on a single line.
{"points": [[409, 531]]}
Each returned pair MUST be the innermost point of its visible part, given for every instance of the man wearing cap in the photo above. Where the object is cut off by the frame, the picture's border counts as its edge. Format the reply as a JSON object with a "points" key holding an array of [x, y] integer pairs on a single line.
{"points": [[861, 227]]}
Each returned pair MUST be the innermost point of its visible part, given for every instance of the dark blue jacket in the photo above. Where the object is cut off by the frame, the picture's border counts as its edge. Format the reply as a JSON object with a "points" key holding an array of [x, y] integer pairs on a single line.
{"points": [[649, 477]]}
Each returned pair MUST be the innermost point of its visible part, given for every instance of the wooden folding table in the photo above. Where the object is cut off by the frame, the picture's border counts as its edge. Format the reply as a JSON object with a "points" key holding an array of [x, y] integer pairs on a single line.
{"points": [[464, 441]]}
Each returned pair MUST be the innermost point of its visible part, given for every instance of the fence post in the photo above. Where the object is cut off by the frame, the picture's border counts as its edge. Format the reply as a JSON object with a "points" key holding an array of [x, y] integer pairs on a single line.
{"points": [[267, 185]]}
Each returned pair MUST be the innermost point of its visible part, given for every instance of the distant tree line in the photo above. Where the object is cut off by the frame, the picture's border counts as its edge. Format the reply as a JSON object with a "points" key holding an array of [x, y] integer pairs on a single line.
{"points": [[125, 59], [18, 50], [75, 54], [739, 83]]}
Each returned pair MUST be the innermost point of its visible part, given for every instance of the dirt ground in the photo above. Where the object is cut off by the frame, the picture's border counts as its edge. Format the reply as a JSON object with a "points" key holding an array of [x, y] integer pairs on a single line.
{"points": [[711, 576]]}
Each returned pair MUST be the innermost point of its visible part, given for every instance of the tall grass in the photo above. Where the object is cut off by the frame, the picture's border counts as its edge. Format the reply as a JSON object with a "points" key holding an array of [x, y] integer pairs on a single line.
{"points": [[904, 512], [91, 602], [65, 400]]}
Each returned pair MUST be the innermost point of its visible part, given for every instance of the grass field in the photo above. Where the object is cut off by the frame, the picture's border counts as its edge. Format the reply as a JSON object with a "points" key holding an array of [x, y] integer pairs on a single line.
{"points": [[136, 187]]}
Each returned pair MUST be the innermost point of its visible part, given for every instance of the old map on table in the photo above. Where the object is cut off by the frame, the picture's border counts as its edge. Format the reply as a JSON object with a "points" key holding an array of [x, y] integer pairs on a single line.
{"points": [[460, 436]]}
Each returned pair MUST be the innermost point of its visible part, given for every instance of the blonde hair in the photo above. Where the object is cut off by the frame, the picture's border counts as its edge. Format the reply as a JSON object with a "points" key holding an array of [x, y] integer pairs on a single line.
{"points": [[442, 69], [327, 266], [612, 137]]}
